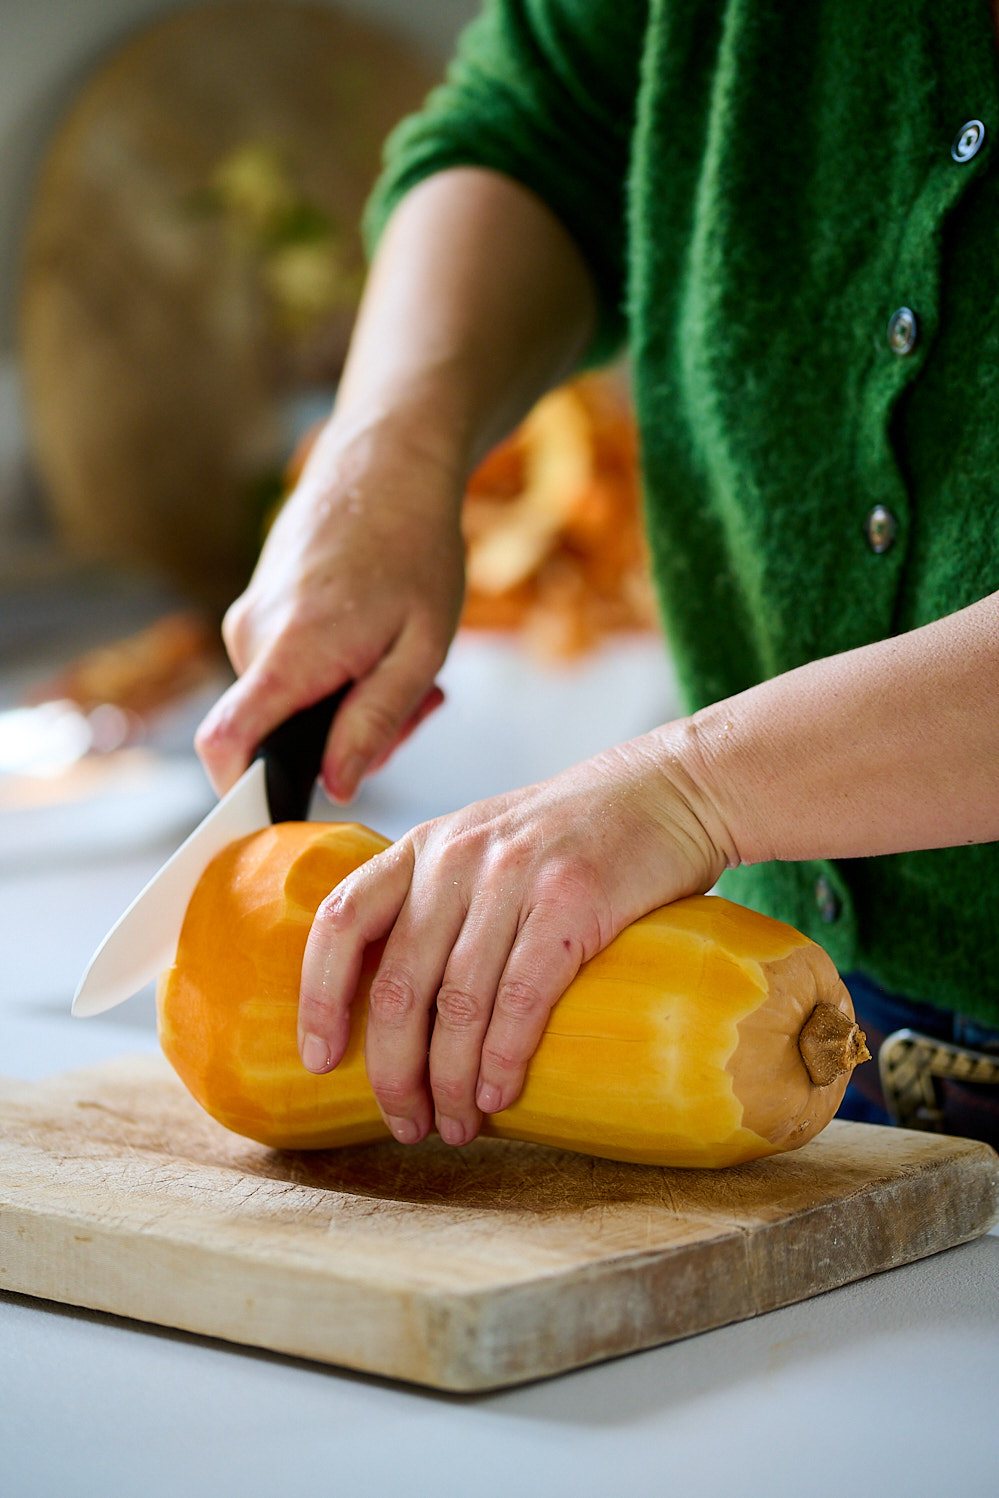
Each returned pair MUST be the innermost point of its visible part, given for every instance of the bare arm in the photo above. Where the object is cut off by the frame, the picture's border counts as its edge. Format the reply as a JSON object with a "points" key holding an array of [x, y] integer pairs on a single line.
{"points": [[478, 301], [884, 749], [489, 912]]}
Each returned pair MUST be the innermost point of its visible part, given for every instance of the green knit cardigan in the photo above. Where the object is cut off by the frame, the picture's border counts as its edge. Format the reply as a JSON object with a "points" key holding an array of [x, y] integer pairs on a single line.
{"points": [[758, 187]]}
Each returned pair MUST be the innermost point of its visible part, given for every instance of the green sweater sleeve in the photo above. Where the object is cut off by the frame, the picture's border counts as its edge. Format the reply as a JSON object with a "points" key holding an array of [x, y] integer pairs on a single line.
{"points": [[543, 91]]}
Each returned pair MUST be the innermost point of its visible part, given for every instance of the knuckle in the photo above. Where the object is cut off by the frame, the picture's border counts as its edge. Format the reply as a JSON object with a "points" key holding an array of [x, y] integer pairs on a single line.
{"points": [[456, 851], [583, 939], [394, 1094], [378, 725], [576, 883], [338, 912], [427, 649], [464, 830], [508, 857], [234, 625], [501, 1061], [459, 1008], [578, 892], [520, 1000], [451, 1094], [205, 738], [393, 999], [272, 681], [316, 1016], [218, 727], [465, 845]]}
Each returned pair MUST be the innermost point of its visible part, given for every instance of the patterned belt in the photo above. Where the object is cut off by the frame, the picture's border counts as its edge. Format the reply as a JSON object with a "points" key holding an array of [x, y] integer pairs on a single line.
{"points": [[935, 1071], [927, 1082]]}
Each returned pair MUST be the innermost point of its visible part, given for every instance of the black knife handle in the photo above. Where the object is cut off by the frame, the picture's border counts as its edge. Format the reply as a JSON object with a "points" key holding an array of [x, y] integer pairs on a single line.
{"points": [[293, 753]]}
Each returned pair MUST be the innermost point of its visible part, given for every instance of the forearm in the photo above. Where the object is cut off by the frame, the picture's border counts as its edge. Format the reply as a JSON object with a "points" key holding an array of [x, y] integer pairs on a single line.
{"points": [[477, 302], [884, 749]]}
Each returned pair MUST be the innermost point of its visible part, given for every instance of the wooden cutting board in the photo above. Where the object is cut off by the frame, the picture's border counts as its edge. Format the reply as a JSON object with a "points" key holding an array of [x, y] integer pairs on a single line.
{"points": [[462, 1269]]}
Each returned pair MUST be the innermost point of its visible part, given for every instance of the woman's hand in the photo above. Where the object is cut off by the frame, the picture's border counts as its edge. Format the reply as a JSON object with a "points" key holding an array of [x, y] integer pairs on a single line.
{"points": [[488, 914], [478, 302], [360, 581]]}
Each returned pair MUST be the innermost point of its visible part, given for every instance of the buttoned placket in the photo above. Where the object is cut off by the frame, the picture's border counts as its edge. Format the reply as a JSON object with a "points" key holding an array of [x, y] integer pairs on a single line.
{"points": [[881, 525]]}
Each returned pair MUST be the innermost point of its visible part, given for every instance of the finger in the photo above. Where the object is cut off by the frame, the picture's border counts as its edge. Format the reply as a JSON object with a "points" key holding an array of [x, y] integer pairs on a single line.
{"points": [[464, 1007], [375, 714], [431, 702], [545, 958], [401, 1003], [231, 732], [236, 635], [359, 911]]}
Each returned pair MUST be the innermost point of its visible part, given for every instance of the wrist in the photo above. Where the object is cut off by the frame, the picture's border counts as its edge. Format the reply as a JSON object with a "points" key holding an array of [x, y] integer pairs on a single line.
{"points": [[420, 418], [692, 801], [386, 459]]}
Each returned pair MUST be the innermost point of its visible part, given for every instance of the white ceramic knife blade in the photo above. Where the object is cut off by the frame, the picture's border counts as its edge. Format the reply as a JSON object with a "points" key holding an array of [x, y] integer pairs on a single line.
{"points": [[143, 941], [275, 788]]}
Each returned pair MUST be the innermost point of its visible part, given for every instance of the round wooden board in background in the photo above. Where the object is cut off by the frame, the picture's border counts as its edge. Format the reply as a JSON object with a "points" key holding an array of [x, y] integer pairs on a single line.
{"points": [[157, 361]]}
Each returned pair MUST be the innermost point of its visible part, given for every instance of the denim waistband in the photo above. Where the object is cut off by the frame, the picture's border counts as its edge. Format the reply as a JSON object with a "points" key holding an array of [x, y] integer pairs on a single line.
{"points": [[879, 1014], [886, 1012]]}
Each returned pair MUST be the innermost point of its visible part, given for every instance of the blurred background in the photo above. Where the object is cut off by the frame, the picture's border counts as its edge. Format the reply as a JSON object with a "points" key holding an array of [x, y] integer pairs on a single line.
{"points": [[162, 164], [180, 262]]}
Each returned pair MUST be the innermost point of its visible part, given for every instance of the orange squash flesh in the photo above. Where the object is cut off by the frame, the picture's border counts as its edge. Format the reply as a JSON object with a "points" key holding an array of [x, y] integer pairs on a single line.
{"points": [[676, 1045]]}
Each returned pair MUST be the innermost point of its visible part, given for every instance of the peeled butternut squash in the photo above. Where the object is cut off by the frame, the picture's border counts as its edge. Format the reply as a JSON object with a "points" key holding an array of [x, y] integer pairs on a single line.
{"points": [[703, 1035]]}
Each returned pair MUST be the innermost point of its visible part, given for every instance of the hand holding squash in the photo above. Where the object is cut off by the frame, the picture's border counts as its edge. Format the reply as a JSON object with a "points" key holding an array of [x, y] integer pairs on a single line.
{"points": [[703, 1035], [486, 916]]}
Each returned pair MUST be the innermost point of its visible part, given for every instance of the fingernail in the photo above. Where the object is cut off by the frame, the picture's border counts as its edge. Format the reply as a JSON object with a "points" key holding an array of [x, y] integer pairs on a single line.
{"points": [[404, 1129], [451, 1130], [315, 1053], [350, 774], [489, 1097]]}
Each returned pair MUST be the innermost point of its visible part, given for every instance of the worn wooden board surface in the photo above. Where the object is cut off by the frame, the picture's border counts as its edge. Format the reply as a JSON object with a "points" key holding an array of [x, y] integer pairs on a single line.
{"points": [[463, 1269]]}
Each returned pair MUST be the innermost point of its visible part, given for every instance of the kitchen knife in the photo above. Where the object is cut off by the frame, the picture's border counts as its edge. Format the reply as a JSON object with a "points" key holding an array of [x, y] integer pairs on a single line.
{"points": [[275, 788]]}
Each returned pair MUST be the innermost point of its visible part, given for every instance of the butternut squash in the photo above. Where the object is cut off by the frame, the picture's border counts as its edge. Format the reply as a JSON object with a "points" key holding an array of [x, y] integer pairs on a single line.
{"points": [[703, 1035]]}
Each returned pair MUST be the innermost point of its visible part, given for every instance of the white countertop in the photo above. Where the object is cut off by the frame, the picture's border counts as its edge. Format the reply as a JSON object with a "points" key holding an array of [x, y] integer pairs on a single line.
{"points": [[886, 1387]]}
